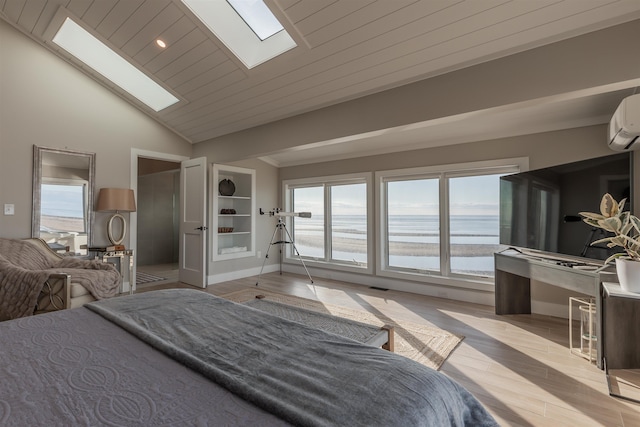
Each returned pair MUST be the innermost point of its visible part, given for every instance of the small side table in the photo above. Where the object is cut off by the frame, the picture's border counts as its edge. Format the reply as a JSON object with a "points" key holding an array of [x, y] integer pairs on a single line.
{"points": [[587, 340], [621, 350], [123, 255]]}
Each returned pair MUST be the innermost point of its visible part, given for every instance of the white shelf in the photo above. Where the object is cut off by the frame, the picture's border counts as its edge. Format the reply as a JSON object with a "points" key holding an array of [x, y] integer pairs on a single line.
{"points": [[241, 241]]}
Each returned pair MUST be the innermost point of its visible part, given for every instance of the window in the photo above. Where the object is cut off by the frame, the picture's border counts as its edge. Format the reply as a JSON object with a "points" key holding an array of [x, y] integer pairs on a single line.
{"points": [[308, 233], [474, 223], [238, 24], [413, 224], [258, 17], [97, 55], [64, 207], [349, 223], [441, 221], [339, 228]]}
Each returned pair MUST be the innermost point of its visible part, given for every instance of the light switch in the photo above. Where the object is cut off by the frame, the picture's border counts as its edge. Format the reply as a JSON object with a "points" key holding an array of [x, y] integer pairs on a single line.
{"points": [[9, 209]]}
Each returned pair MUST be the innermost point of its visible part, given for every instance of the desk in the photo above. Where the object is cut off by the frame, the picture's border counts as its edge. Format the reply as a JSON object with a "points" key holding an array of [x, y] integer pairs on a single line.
{"points": [[126, 254], [513, 274]]}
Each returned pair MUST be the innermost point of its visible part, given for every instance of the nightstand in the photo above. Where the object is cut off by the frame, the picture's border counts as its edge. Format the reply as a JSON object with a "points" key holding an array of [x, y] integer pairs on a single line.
{"points": [[125, 259], [621, 346]]}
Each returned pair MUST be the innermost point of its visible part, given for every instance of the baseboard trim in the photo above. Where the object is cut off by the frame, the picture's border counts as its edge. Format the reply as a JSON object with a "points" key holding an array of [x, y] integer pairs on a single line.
{"points": [[433, 290], [439, 291], [550, 309], [212, 279]]}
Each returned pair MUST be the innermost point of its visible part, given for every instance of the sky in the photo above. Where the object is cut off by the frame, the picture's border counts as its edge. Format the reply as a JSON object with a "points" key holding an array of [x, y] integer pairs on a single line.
{"points": [[62, 200], [476, 195]]}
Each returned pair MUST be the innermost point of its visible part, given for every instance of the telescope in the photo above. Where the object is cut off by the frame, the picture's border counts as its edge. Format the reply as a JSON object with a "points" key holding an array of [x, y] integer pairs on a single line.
{"points": [[278, 213], [284, 238]]}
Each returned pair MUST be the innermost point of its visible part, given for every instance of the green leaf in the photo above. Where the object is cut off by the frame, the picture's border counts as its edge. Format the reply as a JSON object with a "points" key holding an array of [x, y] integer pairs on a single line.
{"points": [[612, 224], [621, 205], [608, 206], [605, 240], [614, 256], [591, 215]]}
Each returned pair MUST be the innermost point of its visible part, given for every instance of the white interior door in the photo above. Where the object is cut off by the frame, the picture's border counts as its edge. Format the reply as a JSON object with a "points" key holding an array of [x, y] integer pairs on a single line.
{"points": [[193, 222]]}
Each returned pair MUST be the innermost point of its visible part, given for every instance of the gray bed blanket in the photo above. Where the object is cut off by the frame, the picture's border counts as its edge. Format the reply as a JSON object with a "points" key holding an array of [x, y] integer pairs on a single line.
{"points": [[303, 375], [24, 268], [19, 290]]}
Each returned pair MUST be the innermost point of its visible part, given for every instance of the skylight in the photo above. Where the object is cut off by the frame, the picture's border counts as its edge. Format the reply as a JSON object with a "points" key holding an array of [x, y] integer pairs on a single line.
{"points": [[236, 33], [257, 16], [88, 49]]}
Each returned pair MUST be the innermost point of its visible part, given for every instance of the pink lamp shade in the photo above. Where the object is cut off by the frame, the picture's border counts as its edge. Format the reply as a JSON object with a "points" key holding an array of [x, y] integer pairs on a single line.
{"points": [[116, 200]]}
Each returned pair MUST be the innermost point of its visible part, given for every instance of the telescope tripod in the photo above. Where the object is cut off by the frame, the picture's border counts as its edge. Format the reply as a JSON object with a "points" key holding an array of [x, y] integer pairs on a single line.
{"points": [[281, 230]]}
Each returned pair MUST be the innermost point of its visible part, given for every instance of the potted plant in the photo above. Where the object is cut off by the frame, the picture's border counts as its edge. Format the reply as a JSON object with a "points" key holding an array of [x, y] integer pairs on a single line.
{"points": [[626, 234]]}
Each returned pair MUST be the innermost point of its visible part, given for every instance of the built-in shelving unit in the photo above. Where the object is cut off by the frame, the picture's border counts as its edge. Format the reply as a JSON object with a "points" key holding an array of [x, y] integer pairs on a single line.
{"points": [[233, 215]]}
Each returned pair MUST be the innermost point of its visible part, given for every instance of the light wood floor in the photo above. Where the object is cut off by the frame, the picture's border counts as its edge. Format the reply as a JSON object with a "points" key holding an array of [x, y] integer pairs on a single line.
{"points": [[518, 366]]}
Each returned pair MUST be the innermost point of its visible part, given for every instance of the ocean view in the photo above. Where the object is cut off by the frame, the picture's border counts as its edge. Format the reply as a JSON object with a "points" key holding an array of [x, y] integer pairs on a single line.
{"points": [[413, 241], [62, 208]]}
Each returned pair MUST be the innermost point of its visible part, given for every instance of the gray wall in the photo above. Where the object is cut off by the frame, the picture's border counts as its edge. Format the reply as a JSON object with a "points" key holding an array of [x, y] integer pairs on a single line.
{"points": [[47, 102], [581, 63], [566, 146]]}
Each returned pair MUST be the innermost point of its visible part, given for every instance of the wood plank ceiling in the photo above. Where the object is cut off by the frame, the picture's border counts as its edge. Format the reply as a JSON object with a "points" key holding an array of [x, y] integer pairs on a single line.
{"points": [[346, 49]]}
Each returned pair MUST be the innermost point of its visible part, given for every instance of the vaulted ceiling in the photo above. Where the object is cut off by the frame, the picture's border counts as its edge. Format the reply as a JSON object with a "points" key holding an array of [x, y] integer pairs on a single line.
{"points": [[346, 49]]}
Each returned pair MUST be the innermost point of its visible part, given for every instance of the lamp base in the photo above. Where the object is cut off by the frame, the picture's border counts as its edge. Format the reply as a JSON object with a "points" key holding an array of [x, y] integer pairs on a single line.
{"points": [[112, 239]]}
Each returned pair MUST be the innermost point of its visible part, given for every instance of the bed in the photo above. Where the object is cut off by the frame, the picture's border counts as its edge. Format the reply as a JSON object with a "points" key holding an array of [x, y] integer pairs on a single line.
{"points": [[185, 357]]}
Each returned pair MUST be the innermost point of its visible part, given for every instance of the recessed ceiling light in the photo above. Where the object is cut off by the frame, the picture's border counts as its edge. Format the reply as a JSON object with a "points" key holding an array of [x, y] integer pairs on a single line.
{"points": [[161, 43], [91, 51]]}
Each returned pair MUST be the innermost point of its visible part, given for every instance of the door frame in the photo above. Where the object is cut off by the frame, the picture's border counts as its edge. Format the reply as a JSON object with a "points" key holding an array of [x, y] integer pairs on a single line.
{"points": [[133, 184]]}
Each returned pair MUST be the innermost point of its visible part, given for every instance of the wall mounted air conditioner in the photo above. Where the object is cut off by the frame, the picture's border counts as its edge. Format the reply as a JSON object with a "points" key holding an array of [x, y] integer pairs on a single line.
{"points": [[624, 127]]}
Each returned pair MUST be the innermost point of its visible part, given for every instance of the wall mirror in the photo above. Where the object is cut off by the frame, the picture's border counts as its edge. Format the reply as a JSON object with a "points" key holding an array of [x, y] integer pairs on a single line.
{"points": [[63, 189]]}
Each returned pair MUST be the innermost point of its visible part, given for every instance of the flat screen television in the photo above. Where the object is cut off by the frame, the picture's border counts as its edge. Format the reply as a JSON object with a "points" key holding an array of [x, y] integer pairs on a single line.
{"points": [[539, 209]]}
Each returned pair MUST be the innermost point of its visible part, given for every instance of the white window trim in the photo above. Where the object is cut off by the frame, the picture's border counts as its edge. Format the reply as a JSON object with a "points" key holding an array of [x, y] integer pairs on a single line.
{"points": [[450, 171], [324, 181]]}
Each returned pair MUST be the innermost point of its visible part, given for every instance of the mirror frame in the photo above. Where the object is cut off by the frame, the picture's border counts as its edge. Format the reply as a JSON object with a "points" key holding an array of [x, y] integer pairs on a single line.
{"points": [[37, 185]]}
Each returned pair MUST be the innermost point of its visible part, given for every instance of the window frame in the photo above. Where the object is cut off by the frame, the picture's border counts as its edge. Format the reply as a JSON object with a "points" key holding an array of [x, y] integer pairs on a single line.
{"points": [[326, 182], [443, 173]]}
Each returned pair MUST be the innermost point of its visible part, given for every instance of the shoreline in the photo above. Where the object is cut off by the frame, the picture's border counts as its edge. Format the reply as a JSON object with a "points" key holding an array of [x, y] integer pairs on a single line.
{"points": [[403, 248]]}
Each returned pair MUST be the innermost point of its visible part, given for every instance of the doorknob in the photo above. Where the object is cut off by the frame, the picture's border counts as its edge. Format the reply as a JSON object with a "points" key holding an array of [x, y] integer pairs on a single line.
{"points": [[200, 228]]}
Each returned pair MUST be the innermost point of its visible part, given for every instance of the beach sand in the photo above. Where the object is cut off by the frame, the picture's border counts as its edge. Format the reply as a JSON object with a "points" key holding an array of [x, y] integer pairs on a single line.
{"points": [[61, 223], [403, 248]]}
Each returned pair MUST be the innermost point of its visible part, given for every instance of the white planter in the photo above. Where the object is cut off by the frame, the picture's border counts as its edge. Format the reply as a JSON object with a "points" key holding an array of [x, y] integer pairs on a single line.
{"points": [[628, 274]]}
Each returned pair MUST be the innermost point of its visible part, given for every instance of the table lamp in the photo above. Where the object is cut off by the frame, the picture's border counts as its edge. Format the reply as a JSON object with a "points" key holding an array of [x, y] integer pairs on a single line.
{"points": [[116, 200]]}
